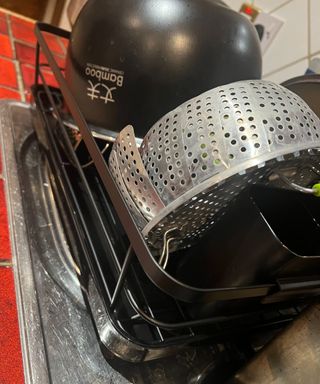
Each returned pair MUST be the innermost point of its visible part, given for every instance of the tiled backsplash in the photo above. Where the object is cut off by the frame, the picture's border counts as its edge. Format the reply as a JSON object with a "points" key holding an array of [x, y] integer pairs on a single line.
{"points": [[17, 57], [297, 41]]}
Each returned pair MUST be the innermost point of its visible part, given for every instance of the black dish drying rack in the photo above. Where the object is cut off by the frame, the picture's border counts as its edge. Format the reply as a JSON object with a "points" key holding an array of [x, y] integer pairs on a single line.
{"points": [[111, 251]]}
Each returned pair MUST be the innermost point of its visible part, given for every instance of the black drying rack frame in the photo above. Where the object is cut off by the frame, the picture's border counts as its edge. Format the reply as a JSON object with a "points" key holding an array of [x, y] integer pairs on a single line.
{"points": [[175, 290], [151, 267]]}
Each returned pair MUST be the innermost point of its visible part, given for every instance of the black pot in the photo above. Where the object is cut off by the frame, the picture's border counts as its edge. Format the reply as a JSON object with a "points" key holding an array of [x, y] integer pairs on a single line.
{"points": [[267, 234], [308, 88], [132, 61]]}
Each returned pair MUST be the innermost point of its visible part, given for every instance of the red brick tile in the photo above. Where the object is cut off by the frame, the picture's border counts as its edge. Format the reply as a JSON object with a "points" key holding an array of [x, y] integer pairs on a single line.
{"points": [[53, 43], [27, 54], [61, 61], [8, 75], [23, 30], [11, 371], [29, 97], [5, 46], [5, 251], [9, 94], [50, 79], [28, 76], [3, 23], [64, 42]]}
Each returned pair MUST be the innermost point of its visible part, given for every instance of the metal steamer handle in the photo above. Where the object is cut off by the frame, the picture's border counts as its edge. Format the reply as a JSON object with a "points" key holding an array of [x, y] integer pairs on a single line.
{"points": [[314, 190]]}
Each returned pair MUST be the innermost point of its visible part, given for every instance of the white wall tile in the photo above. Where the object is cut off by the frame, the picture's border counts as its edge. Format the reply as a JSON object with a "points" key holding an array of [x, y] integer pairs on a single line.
{"points": [[64, 20], [291, 43], [265, 5], [234, 4], [315, 25], [270, 5], [294, 70]]}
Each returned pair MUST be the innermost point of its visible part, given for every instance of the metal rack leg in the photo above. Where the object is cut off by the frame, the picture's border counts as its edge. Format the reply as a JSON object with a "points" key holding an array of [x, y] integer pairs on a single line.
{"points": [[121, 278]]}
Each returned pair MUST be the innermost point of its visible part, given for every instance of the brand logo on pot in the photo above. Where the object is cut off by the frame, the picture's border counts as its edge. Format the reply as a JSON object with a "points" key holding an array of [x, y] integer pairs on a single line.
{"points": [[103, 82]]}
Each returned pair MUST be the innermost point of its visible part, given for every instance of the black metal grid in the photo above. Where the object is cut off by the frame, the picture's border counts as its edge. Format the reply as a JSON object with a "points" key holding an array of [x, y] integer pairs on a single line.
{"points": [[115, 269]]}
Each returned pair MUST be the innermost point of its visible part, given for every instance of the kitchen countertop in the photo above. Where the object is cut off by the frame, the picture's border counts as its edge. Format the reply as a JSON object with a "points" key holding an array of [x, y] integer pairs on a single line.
{"points": [[17, 56]]}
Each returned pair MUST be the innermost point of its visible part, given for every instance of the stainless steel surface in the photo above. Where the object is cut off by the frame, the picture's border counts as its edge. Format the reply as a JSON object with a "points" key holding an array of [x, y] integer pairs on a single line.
{"points": [[134, 175], [115, 171], [292, 357], [221, 130], [202, 154], [164, 257], [193, 215], [59, 344], [32, 342], [291, 185]]}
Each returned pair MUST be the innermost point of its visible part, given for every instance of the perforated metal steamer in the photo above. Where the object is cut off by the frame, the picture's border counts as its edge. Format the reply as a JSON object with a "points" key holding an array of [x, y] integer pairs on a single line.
{"points": [[200, 156]]}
